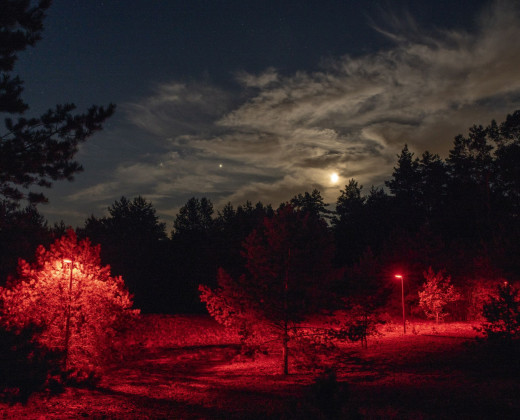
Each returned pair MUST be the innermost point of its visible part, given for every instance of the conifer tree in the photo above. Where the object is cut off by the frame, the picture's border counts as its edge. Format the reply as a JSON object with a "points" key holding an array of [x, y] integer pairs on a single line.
{"points": [[289, 278], [75, 302], [39, 150], [502, 313]]}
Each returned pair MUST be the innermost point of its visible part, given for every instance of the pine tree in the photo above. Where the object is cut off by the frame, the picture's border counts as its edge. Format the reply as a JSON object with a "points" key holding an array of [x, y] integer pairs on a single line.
{"points": [[35, 151], [134, 241], [193, 239], [289, 278], [312, 203], [75, 302], [350, 223]]}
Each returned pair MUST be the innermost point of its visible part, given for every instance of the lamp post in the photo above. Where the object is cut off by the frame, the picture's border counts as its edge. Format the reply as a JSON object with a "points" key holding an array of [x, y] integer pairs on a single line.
{"points": [[67, 321], [399, 276]]}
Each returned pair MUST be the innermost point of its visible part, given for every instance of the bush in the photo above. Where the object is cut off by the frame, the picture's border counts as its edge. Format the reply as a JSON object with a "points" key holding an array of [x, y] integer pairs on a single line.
{"points": [[477, 295], [326, 392], [26, 366], [502, 314]]}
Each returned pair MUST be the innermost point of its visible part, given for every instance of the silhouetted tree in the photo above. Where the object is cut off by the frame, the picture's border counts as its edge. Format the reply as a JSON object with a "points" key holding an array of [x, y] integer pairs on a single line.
{"points": [[193, 245], [136, 217], [482, 200], [433, 187], [379, 223], [195, 217], [21, 231], [35, 151], [25, 365], [470, 165], [506, 179], [366, 282], [312, 203], [405, 186], [506, 187], [350, 202], [134, 241], [350, 223], [470, 200], [231, 229], [502, 313]]}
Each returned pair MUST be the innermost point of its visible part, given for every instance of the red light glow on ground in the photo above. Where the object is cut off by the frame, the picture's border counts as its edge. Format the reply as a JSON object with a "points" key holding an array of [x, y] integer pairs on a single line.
{"points": [[188, 368]]}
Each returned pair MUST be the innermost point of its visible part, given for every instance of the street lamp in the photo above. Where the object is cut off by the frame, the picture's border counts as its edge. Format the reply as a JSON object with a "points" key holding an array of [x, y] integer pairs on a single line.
{"points": [[399, 276], [67, 322]]}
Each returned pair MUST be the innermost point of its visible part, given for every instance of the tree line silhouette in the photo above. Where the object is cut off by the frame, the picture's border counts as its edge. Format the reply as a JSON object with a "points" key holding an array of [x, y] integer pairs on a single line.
{"points": [[459, 214]]}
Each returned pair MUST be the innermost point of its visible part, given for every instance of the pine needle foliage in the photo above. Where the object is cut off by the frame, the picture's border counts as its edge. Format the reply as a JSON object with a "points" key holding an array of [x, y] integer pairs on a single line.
{"points": [[72, 299]]}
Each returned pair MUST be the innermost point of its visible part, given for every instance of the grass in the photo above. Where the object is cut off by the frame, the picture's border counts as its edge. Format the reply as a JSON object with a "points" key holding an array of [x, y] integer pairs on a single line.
{"points": [[187, 367], [160, 331]]}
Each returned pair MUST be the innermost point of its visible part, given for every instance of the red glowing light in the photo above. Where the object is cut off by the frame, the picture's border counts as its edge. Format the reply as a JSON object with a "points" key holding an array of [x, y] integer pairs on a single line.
{"points": [[398, 276]]}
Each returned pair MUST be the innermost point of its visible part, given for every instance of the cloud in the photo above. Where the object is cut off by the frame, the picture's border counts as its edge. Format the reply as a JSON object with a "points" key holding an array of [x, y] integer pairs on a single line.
{"points": [[178, 109], [266, 78], [282, 135], [98, 192]]}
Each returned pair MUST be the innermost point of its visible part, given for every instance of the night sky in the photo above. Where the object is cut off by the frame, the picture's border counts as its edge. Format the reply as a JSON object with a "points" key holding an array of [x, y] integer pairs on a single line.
{"points": [[261, 100]]}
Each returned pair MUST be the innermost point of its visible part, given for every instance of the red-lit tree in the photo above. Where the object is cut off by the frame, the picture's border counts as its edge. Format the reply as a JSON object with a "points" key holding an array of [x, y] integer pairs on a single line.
{"points": [[75, 302], [290, 274], [436, 293]]}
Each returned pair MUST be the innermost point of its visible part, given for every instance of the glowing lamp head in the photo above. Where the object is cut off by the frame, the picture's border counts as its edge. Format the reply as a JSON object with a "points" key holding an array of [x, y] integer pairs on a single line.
{"points": [[67, 261], [398, 276]]}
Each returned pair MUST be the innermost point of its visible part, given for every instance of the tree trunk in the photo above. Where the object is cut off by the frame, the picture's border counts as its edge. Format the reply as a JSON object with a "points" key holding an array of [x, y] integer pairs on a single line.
{"points": [[285, 339], [364, 342], [285, 351]]}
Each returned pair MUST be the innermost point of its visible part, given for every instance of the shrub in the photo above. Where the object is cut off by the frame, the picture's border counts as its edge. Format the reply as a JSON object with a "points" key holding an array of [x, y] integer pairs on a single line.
{"points": [[25, 365], [477, 295], [502, 314]]}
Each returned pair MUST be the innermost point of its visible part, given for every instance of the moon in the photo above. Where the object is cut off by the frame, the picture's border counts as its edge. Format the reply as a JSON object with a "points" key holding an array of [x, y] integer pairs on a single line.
{"points": [[334, 177]]}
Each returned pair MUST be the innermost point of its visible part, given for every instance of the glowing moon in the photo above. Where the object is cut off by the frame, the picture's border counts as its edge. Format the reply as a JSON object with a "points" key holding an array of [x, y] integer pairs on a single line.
{"points": [[334, 178]]}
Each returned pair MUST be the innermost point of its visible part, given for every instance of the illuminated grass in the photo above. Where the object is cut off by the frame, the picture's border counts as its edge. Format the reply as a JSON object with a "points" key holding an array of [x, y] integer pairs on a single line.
{"points": [[159, 331], [187, 368]]}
